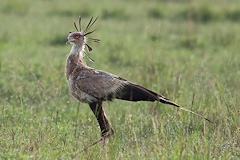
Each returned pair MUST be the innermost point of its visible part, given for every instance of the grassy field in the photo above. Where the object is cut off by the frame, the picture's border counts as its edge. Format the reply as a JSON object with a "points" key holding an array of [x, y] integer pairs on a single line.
{"points": [[187, 50]]}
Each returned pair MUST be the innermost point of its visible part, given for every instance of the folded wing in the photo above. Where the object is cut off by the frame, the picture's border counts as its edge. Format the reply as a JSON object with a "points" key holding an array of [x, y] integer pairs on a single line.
{"points": [[106, 86]]}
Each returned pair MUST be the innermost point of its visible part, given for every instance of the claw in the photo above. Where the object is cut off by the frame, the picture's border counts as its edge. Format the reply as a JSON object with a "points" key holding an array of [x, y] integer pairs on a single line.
{"points": [[102, 139]]}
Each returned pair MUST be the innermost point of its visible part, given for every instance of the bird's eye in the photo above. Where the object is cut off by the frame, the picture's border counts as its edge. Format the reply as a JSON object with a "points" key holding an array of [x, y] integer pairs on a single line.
{"points": [[77, 36]]}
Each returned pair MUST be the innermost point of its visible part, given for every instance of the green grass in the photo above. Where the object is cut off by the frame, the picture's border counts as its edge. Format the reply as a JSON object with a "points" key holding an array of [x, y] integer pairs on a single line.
{"points": [[186, 50]]}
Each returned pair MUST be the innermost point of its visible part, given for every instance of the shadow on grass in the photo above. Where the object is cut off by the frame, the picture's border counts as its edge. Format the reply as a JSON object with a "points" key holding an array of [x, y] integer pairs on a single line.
{"points": [[206, 13], [113, 14], [69, 13], [155, 13], [15, 7], [58, 40], [189, 42], [202, 14], [233, 15]]}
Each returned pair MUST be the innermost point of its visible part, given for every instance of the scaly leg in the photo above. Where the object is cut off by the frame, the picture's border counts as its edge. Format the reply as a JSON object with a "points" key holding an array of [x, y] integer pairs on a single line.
{"points": [[105, 126]]}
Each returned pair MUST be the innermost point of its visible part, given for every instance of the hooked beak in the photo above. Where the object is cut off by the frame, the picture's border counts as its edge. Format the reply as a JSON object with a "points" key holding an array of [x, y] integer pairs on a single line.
{"points": [[67, 41]]}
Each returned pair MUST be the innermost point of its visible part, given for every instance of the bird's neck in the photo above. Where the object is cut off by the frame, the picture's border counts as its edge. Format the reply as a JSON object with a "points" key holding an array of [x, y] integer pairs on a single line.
{"points": [[75, 60], [77, 50]]}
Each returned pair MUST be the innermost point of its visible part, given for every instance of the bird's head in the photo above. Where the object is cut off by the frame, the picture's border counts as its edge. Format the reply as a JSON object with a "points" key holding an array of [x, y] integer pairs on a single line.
{"points": [[78, 38]]}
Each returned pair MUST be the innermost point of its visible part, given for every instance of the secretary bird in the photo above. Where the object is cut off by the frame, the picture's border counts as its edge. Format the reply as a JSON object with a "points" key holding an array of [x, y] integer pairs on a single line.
{"points": [[92, 86]]}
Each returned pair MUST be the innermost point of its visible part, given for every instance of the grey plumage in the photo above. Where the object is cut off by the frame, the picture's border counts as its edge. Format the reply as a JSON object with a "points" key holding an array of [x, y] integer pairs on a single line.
{"points": [[93, 86]]}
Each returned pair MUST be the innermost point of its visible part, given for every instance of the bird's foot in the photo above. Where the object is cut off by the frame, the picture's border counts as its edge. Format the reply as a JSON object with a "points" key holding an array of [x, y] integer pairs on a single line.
{"points": [[103, 139]]}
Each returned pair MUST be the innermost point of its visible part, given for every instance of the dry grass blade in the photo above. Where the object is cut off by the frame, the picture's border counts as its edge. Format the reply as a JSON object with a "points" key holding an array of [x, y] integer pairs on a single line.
{"points": [[37, 80]]}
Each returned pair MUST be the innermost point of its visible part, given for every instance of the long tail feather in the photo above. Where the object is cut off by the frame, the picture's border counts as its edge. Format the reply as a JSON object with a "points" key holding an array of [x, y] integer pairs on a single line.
{"points": [[133, 92], [166, 101]]}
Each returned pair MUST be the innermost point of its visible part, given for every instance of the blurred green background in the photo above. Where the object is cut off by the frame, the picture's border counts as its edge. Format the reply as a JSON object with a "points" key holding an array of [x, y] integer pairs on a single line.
{"points": [[187, 50]]}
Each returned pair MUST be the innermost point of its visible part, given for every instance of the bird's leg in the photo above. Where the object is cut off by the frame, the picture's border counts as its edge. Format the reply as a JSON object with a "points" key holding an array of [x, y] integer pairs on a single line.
{"points": [[105, 126]]}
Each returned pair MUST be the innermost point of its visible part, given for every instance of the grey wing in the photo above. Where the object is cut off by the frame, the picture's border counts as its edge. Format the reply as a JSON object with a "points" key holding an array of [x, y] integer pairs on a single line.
{"points": [[106, 86], [101, 85]]}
